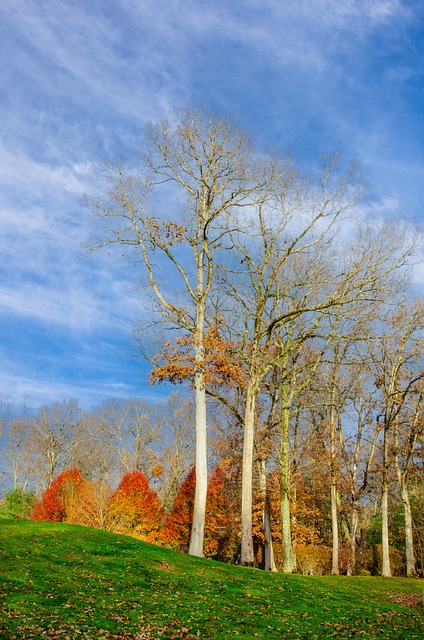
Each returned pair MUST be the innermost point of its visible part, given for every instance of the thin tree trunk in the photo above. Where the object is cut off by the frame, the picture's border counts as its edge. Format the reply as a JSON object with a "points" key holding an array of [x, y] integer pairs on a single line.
{"points": [[334, 528], [386, 570], [353, 531], [247, 553], [402, 480], [409, 539], [288, 556], [333, 491], [269, 563]]}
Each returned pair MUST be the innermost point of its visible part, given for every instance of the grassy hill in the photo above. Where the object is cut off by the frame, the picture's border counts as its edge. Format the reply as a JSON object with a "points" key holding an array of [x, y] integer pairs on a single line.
{"points": [[67, 582]]}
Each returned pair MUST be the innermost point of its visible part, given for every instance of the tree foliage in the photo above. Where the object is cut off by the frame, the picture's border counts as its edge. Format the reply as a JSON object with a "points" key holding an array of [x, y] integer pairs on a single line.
{"points": [[57, 500], [19, 503], [134, 508], [220, 535]]}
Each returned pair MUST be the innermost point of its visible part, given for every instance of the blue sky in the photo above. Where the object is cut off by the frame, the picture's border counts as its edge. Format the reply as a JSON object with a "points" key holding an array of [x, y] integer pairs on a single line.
{"points": [[79, 80]]}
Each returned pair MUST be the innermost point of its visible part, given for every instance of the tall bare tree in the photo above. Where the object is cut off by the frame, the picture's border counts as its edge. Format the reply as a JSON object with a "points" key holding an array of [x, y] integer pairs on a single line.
{"points": [[96, 453], [19, 453], [133, 433], [175, 417], [287, 270], [291, 279], [407, 432], [395, 360], [53, 437], [204, 169]]}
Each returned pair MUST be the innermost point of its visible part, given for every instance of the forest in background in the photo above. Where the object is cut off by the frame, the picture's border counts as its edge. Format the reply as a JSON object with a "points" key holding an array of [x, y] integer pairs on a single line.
{"points": [[293, 321], [128, 467]]}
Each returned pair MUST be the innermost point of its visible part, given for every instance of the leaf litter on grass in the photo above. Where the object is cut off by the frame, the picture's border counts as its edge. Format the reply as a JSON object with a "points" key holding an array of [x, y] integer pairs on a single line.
{"points": [[95, 585]]}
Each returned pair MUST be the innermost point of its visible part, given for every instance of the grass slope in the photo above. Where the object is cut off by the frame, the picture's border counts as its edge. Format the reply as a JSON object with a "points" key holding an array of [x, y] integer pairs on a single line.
{"points": [[67, 582]]}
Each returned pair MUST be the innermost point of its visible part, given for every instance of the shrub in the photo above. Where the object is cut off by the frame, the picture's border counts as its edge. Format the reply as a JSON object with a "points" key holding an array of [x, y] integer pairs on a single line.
{"points": [[18, 503], [313, 559], [220, 540], [91, 509], [57, 499], [134, 508], [220, 537], [177, 526]]}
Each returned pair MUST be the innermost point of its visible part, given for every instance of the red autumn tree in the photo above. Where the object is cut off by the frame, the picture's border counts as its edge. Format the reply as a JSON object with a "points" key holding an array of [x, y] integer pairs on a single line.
{"points": [[134, 508], [220, 531], [177, 526], [219, 542], [57, 499]]}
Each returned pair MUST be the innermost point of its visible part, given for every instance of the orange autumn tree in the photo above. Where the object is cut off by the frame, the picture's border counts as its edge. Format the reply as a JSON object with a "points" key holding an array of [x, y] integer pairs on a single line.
{"points": [[57, 500], [134, 509], [176, 363], [91, 509], [220, 532], [310, 524], [220, 542], [177, 526]]}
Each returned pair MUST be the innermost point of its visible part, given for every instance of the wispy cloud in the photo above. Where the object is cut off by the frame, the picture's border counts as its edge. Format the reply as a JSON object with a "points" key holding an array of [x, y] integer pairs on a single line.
{"points": [[36, 391], [82, 79]]}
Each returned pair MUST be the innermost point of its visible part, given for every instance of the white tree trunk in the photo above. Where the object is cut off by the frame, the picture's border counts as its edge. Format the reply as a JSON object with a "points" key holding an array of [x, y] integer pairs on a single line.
{"points": [[409, 540], [353, 531], [247, 554], [333, 492], [199, 511], [334, 529], [198, 526], [288, 557], [386, 570]]}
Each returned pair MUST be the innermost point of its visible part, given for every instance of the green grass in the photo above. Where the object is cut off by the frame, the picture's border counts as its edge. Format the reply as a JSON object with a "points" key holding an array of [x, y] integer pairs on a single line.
{"points": [[67, 582]]}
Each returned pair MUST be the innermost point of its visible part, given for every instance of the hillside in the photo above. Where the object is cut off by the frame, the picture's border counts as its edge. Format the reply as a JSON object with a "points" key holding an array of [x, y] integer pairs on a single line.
{"points": [[68, 582]]}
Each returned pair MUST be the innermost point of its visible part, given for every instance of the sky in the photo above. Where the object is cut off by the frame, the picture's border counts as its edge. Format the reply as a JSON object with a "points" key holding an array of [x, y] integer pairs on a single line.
{"points": [[80, 80]]}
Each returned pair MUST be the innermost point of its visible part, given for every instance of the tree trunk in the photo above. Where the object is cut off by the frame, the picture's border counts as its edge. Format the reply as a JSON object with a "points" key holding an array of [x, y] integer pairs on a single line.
{"points": [[288, 556], [334, 528], [385, 570], [333, 493], [198, 526], [353, 531], [409, 540], [247, 553], [269, 563]]}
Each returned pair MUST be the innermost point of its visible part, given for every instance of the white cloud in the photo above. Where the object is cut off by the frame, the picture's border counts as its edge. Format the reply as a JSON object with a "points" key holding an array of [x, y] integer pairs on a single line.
{"points": [[32, 180], [82, 79], [38, 390]]}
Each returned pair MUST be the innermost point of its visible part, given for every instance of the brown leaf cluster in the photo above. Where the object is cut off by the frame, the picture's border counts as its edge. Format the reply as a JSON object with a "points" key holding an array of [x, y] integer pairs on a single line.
{"points": [[176, 363]]}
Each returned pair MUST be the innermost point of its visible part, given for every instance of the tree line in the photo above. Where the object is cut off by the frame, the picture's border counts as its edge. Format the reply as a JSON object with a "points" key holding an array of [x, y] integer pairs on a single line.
{"points": [[291, 317], [113, 439], [101, 480]]}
